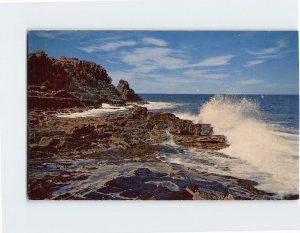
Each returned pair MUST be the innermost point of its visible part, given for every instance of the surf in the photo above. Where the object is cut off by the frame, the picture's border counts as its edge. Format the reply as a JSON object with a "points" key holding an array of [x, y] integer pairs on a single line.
{"points": [[111, 109], [266, 147]]}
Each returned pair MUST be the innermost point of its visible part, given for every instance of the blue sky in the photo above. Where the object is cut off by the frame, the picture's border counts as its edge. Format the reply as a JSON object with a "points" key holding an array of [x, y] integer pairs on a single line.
{"points": [[205, 62]]}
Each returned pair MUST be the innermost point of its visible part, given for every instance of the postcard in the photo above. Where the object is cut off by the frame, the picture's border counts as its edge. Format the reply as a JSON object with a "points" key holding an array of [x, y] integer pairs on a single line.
{"points": [[162, 115]]}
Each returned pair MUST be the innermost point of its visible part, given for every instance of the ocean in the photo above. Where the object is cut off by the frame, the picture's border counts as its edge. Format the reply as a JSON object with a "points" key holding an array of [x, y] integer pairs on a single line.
{"points": [[262, 130]]}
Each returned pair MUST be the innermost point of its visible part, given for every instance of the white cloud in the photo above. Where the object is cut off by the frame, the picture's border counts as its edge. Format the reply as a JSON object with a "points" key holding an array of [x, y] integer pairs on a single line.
{"points": [[154, 41], [204, 74], [269, 56], [214, 61], [147, 59], [152, 59], [89, 49], [114, 45], [268, 51], [108, 46], [266, 54], [145, 68], [253, 63], [250, 81]]}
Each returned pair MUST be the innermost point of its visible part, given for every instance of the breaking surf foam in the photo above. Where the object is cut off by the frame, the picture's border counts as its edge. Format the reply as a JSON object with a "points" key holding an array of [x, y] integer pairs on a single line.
{"points": [[110, 109], [156, 105], [106, 109], [267, 147]]}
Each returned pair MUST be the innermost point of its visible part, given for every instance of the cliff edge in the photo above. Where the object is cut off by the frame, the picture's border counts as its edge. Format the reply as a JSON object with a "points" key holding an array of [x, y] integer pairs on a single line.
{"points": [[70, 82]]}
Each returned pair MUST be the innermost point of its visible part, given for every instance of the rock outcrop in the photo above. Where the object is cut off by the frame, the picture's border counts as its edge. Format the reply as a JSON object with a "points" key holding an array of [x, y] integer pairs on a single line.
{"points": [[117, 156], [127, 93], [70, 82], [135, 133]]}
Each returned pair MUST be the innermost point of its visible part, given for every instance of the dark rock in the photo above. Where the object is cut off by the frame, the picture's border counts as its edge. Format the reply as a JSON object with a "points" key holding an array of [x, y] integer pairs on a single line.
{"points": [[139, 112], [142, 171], [70, 82], [146, 172], [127, 93], [130, 194], [291, 197], [97, 196], [110, 189], [40, 189], [84, 130]]}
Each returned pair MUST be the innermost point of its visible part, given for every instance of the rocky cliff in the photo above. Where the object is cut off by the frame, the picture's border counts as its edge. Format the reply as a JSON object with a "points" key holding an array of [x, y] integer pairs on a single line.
{"points": [[70, 82], [127, 93]]}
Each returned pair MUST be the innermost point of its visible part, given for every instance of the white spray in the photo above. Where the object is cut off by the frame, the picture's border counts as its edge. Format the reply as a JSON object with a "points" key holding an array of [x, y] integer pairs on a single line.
{"points": [[251, 139]]}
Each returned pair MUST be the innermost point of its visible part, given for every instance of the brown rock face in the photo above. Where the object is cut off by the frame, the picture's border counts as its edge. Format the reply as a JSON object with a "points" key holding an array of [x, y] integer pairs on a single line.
{"points": [[70, 82], [137, 132], [127, 93]]}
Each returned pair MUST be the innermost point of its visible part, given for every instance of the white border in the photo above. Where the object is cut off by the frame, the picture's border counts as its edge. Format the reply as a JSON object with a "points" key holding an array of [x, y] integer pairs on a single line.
{"points": [[20, 215]]}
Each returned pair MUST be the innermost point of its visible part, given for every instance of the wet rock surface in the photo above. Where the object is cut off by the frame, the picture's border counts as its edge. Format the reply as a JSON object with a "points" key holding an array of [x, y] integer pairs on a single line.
{"points": [[120, 178], [117, 157]]}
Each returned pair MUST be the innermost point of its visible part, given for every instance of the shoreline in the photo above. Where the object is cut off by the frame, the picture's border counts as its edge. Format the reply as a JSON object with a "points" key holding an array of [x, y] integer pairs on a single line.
{"points": [[67, 161]]}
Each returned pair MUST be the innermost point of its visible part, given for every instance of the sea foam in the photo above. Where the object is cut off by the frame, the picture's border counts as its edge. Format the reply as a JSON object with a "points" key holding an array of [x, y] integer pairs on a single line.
{"points": [[267, 147], [110, 109]]}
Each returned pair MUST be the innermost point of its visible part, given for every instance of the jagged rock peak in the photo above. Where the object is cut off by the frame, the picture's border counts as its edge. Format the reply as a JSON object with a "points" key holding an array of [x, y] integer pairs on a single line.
{"points": [[127, 93], [40, 53]]}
